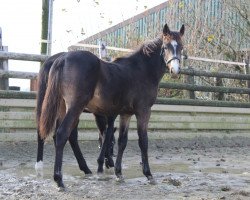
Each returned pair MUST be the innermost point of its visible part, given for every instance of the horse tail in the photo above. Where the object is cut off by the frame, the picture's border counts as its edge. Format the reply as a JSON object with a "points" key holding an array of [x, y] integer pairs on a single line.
{"points": [[42, 83], [52, 99]]}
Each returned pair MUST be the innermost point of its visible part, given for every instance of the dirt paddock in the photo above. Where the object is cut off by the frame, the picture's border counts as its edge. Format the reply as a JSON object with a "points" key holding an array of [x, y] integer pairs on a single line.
{"points": [[184, 168]]}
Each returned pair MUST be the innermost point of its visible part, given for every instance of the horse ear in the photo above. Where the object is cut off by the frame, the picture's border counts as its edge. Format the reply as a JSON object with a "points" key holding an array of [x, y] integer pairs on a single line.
{"points": [[166, 30], [182, 30]]}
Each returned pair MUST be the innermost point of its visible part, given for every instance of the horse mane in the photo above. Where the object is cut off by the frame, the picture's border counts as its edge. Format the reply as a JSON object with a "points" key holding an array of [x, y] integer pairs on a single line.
{"points": [[146, 48], [150, 46]]}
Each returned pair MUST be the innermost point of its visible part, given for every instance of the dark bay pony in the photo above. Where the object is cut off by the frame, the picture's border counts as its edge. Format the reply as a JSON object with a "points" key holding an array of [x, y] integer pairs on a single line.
{"points": [[101, 123], [127, 86]]}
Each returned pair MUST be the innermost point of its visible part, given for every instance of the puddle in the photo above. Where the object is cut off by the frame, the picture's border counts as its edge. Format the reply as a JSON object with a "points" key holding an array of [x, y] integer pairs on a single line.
{"points": [[211, 173]]}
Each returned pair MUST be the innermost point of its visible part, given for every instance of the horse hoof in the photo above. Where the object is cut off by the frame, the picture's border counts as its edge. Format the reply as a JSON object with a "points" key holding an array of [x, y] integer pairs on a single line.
{"points": [[100, 170], [88, 172], [88, 175], [152, 181], [120, 179], [109, 163], [62, 189], [39, 169]]}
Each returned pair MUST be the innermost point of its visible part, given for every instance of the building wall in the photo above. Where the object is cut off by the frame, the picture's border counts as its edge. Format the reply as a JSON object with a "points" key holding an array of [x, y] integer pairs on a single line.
{"points": [[193, 13]]}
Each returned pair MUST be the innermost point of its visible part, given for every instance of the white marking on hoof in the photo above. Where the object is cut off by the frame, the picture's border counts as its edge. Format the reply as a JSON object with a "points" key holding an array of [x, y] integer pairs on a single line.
{"points": [[39, 168], [120, 179], [151, 180]]}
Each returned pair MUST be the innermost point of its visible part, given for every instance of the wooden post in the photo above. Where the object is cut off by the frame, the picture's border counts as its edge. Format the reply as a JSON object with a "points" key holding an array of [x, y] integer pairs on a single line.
{"points": [[220, 95], [103, 54], [4, 82], [189, 79], [46, 35], [247, 61], [45, 24], [102, 50]]}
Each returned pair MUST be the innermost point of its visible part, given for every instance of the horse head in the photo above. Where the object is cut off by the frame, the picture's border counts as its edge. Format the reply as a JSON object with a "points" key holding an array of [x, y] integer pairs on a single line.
{"points": [[171, 48]]}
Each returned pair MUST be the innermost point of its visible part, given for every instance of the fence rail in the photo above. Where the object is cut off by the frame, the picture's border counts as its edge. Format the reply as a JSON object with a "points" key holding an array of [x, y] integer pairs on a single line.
{"points": [[182, 86], [190, 72], [17, 117], [17, 74], [22, 56], [194, 72], [168, 101]]}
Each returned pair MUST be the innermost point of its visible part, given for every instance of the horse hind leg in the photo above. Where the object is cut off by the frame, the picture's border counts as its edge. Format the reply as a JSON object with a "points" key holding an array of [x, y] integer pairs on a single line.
{"points": [[39, 159], [62, 134]]}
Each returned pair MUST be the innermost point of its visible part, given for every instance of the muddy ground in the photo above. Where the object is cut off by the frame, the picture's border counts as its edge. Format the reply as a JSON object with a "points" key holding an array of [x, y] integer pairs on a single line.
{"points": [[184, 168]]}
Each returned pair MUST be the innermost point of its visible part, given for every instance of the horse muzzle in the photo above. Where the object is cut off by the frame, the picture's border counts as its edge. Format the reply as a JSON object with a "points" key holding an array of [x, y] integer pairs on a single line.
{"points": [[174, 65]]}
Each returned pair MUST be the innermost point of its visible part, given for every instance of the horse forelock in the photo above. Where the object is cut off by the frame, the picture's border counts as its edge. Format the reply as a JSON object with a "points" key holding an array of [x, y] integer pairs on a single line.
{"points": [[173, 36]]}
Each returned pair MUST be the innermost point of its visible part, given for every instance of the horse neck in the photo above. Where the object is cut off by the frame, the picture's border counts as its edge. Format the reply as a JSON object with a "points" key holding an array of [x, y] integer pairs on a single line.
{"points": [[154, 65]]}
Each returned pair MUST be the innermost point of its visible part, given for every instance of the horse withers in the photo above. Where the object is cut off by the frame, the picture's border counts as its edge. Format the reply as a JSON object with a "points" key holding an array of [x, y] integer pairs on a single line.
{"points": [[127, 86], [101, 122]]}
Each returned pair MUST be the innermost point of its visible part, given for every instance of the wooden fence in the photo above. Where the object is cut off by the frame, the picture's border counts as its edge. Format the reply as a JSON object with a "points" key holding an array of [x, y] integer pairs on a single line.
{"points": [[17, 120], [17, 108]]}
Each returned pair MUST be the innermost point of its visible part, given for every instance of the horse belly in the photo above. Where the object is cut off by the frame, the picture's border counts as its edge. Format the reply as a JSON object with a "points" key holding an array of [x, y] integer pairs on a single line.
{"points": [[97, 104]]}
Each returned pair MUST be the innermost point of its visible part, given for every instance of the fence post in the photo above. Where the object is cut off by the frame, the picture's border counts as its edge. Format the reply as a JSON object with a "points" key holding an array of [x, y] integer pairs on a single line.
{"points": [[189, 79], [247, 61], [220, 95], [102, 50], [4, 82]]}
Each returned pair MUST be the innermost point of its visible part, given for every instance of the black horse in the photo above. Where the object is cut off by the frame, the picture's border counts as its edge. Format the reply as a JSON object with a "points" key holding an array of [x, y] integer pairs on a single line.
{"points": [[101, 122], [124, 87]]}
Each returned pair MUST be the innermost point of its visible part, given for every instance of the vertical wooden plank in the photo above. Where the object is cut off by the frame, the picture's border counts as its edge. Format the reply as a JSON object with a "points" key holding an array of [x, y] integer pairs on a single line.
{"points": [[1, 42], [103, 51], [247, 61], [4, 82], [220, 95], [190, 80]]}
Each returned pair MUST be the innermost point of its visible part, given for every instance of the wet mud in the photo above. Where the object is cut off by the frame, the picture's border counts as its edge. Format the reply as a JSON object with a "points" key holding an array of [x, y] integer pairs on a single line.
{"points": [[193, 168]]}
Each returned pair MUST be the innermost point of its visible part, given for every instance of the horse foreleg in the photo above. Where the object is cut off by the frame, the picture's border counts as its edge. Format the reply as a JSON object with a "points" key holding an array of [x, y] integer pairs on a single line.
{"points": [[110, 151], [73, 140], [106, 146], [101, 123], [142, 125], [109, 162], [122, 143]]}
